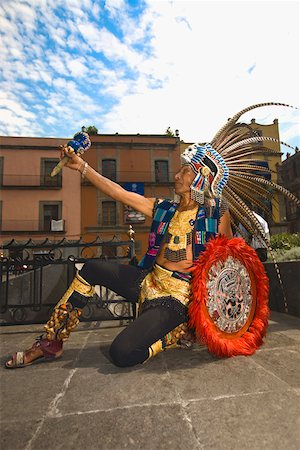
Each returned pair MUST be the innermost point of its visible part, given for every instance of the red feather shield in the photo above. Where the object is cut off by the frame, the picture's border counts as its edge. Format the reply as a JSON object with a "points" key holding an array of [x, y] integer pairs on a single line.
{"points": [[229, 309]]}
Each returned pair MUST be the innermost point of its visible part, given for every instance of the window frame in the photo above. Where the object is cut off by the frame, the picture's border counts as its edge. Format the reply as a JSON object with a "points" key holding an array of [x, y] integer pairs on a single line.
{"points": [[43, 203], [52, 182], [107, 173], [108, 224], [164, 161]]}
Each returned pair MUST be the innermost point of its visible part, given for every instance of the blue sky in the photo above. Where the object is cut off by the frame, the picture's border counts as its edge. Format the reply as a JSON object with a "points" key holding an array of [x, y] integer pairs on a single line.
{"points": [[142, 66]]}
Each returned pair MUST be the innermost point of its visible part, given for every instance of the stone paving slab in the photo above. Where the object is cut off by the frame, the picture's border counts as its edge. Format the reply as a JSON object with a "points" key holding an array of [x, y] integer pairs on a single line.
{"points": [[284, 363], [25, 396], [16, 435], [180, 399], [267, 420], [215, 377], [143, 427]]}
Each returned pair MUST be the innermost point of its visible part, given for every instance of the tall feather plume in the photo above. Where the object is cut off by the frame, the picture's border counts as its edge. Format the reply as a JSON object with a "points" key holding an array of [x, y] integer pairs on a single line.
{"points": [[242, 150], [274, 186], [250, 186], [256, 200], [235, 118], [249, 220], [252, 140], [243, 156], [250, 150], [238, 132]]}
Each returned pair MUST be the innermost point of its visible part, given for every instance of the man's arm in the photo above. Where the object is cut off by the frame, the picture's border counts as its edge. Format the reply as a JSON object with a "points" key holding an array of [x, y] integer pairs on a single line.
{"points": [[107, 186], [118, 193], [225, 225]]}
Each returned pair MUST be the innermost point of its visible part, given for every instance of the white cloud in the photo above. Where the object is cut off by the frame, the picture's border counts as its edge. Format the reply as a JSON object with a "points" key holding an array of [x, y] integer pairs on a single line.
{"points": [[12, 105], [203, 59], [183, 64], [103, 41], [115, 7]]}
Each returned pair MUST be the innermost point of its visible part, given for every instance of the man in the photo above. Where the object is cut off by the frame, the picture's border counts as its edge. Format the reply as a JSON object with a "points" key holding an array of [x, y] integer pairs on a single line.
{"points": [[237, 317], [162, 281]]}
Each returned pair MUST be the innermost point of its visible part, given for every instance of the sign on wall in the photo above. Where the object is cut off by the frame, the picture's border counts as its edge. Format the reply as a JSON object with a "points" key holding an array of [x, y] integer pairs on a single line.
{"points": [[134, 187], [130, 214]]}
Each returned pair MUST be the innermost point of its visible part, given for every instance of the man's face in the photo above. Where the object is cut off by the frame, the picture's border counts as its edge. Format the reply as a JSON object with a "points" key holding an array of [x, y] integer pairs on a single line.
{"points": [[183, 179]]}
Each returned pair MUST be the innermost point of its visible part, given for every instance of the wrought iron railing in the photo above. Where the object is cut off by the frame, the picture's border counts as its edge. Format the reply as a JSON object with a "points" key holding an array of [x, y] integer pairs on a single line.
{"points": [[35, 274]]}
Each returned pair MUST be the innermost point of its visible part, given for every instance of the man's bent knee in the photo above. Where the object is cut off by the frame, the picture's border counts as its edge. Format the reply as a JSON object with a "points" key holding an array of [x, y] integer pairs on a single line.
{"points": [[124, 355]]}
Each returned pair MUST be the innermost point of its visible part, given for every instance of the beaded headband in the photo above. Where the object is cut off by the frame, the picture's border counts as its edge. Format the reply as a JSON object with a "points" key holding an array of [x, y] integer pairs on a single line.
{"points": [[210, 168]]}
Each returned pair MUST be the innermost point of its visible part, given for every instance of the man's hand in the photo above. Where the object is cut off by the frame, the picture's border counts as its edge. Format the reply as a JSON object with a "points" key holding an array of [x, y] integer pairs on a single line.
{"points": [[75, 162]]}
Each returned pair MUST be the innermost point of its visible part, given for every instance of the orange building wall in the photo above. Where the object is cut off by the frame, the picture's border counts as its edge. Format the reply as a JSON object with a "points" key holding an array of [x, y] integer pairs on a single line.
{"points": [[20, 201]]}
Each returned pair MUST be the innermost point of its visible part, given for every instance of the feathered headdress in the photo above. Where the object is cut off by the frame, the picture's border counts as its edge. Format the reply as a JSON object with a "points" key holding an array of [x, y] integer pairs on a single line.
{"points": [[227, 166]]}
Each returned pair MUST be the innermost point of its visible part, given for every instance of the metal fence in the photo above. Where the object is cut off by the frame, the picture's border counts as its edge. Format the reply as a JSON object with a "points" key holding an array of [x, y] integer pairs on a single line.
{"points": [[35, 274]]}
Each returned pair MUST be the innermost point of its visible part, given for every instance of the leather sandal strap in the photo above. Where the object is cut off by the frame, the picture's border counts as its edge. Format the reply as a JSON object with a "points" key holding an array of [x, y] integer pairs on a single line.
{"points": [[18, 358]]}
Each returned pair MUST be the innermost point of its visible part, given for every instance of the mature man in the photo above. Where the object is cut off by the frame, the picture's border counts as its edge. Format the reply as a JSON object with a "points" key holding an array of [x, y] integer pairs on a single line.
{"points": [[234, 316], [161, 283]]}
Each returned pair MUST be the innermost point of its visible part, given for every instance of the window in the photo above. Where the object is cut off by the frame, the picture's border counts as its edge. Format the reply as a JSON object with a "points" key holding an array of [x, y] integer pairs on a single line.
{"points": [[49, 211], [109, 213], [293, 208], [161, 171], [109, 169], [47, 165]]}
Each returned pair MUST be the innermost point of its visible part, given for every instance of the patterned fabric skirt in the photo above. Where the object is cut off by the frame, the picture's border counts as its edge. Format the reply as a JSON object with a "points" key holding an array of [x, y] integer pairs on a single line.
{"points": [[163, 287]]}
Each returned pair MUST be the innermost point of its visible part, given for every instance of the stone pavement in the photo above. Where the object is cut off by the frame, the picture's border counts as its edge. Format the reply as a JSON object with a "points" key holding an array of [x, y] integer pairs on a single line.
{"points": [[181, 399]]}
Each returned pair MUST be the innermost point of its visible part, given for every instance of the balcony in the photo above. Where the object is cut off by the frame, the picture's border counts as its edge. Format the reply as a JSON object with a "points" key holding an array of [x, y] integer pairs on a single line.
{"points": [[32, 226], [31, 182]]}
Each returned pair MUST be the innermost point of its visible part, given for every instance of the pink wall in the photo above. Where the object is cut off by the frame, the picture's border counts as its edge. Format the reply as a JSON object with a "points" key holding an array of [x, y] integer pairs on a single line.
{"points": [[21, 166]]}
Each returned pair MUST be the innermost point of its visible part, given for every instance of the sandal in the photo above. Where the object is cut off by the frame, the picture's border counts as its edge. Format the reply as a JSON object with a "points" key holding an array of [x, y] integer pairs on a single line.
{"points": [[51, 350]]}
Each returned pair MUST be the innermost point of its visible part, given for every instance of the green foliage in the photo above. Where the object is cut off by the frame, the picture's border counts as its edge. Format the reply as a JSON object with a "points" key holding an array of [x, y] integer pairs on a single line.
{"points": [[169, 132], [90, 129], [286, 255], [285, 241]]}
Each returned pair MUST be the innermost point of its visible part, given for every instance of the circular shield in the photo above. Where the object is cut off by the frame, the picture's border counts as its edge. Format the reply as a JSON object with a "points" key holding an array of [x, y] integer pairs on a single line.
{"points": [[230, 300], [229, 310]]}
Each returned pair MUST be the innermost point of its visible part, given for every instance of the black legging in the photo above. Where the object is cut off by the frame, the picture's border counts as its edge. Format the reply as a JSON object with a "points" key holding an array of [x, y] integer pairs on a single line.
{"points": [[131, 346]]}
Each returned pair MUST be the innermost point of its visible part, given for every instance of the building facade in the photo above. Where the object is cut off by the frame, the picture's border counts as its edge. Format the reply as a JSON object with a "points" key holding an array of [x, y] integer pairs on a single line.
{"points": [[32, 203], [273, 160], [289, 173]]}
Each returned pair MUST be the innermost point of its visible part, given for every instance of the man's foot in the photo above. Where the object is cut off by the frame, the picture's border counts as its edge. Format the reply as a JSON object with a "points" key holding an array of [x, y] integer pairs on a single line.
{"points": [[42, 349]]}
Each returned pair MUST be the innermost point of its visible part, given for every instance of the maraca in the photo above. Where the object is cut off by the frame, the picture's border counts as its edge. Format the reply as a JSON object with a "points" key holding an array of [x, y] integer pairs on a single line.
{"points": [[79, 144]]}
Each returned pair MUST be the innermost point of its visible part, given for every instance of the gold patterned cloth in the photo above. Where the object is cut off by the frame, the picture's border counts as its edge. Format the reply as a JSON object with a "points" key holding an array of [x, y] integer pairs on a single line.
{"points": [[171, 289], [180, 234], [65, 317], [164, 283]]}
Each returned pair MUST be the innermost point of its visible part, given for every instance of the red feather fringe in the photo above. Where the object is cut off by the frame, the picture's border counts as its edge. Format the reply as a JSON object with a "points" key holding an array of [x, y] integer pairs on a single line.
{"points": [[219, 249]]}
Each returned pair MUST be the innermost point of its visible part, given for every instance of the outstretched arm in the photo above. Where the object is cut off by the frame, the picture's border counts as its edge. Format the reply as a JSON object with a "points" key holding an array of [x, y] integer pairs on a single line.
{"points": [[109, 187]]}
